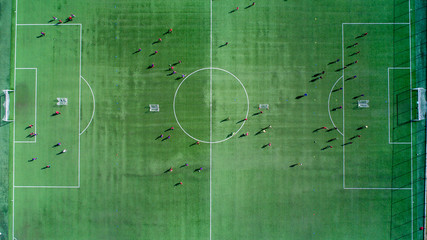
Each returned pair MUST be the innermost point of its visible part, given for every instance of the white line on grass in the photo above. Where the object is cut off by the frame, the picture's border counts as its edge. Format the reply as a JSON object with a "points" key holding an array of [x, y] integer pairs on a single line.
{"points": [[14, 125], [93, 112], [329, 99], [25, 142], [343, 112], [210, 136], [410, 96], [80, 102]]}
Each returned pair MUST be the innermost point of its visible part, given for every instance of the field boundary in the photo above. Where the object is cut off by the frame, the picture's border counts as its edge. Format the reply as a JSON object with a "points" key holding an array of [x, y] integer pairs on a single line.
{"points": [[14, 125], [35, 106]]}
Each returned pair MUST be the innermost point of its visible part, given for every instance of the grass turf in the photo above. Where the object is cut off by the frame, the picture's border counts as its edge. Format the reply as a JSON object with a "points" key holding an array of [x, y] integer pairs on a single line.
{"points": [[275, 47]]}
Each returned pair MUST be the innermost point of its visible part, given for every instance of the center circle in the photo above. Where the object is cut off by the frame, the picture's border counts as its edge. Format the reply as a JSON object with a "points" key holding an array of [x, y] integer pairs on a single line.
{"points": [[222, 121]]}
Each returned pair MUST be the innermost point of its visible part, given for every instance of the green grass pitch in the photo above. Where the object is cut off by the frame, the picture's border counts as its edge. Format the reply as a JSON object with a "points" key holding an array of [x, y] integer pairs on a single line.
{"points": [[311, 183]]}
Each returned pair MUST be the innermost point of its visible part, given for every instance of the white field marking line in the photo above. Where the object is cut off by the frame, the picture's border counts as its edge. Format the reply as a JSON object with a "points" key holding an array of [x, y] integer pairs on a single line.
{"points": [[343, 112], [210, 136], [47, 186], [410, 79], [329, 99], [410, 97], [25, 142], [388, 101], [14, 125], [378, 188], [176, 92], [80, 101], [93, 112], [35, 105], [376, 23]]}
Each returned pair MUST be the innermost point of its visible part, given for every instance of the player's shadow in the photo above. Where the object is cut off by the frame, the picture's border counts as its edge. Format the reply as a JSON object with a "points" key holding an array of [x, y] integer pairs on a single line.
{"points": [[28, 127], [170, 74], [177, 184], [248, 6], [150, 67], [257, 113], [294, 165], [223, 45], [166, 33], [155, 42], [56, 145], [242, 135], [31, 160], [154, 53], [158, 137], [240, 121], [224, 120], [137, 51], [51, 21], [264, 146], [195, 143], [178, 78], [60, 153], [168, 170], [229, 135], [43, 168], [183, 166], [197, 170], [40, 36], [232, 11], [258, 133]]}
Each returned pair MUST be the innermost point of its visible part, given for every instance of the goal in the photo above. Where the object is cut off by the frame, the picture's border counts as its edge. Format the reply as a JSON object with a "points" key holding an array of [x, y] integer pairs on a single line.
{"points": [[154, 108], [5, 102], [264, 106], [421, 104]]}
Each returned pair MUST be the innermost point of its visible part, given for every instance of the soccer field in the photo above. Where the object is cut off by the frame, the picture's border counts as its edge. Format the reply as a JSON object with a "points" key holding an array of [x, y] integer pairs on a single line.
{"points": [[276, 120]]}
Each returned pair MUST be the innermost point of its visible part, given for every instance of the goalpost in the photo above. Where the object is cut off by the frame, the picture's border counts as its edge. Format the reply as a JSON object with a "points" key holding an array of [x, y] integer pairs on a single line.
{"points": [[5, 102]]}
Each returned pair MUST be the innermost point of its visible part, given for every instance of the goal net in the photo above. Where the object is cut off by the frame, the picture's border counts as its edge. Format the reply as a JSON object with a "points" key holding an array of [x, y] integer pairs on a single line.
{"points": [[363, 103], [421, 104], [5, 102], [154, 108], [264, 106]]}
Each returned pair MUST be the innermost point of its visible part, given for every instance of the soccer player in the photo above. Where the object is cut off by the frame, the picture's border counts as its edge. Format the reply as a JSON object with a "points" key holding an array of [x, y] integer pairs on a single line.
{"points": [[58, 144], [170, 30], [30, 126], [362, 127], [43, 34], [33, 159], [64, 151]]}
